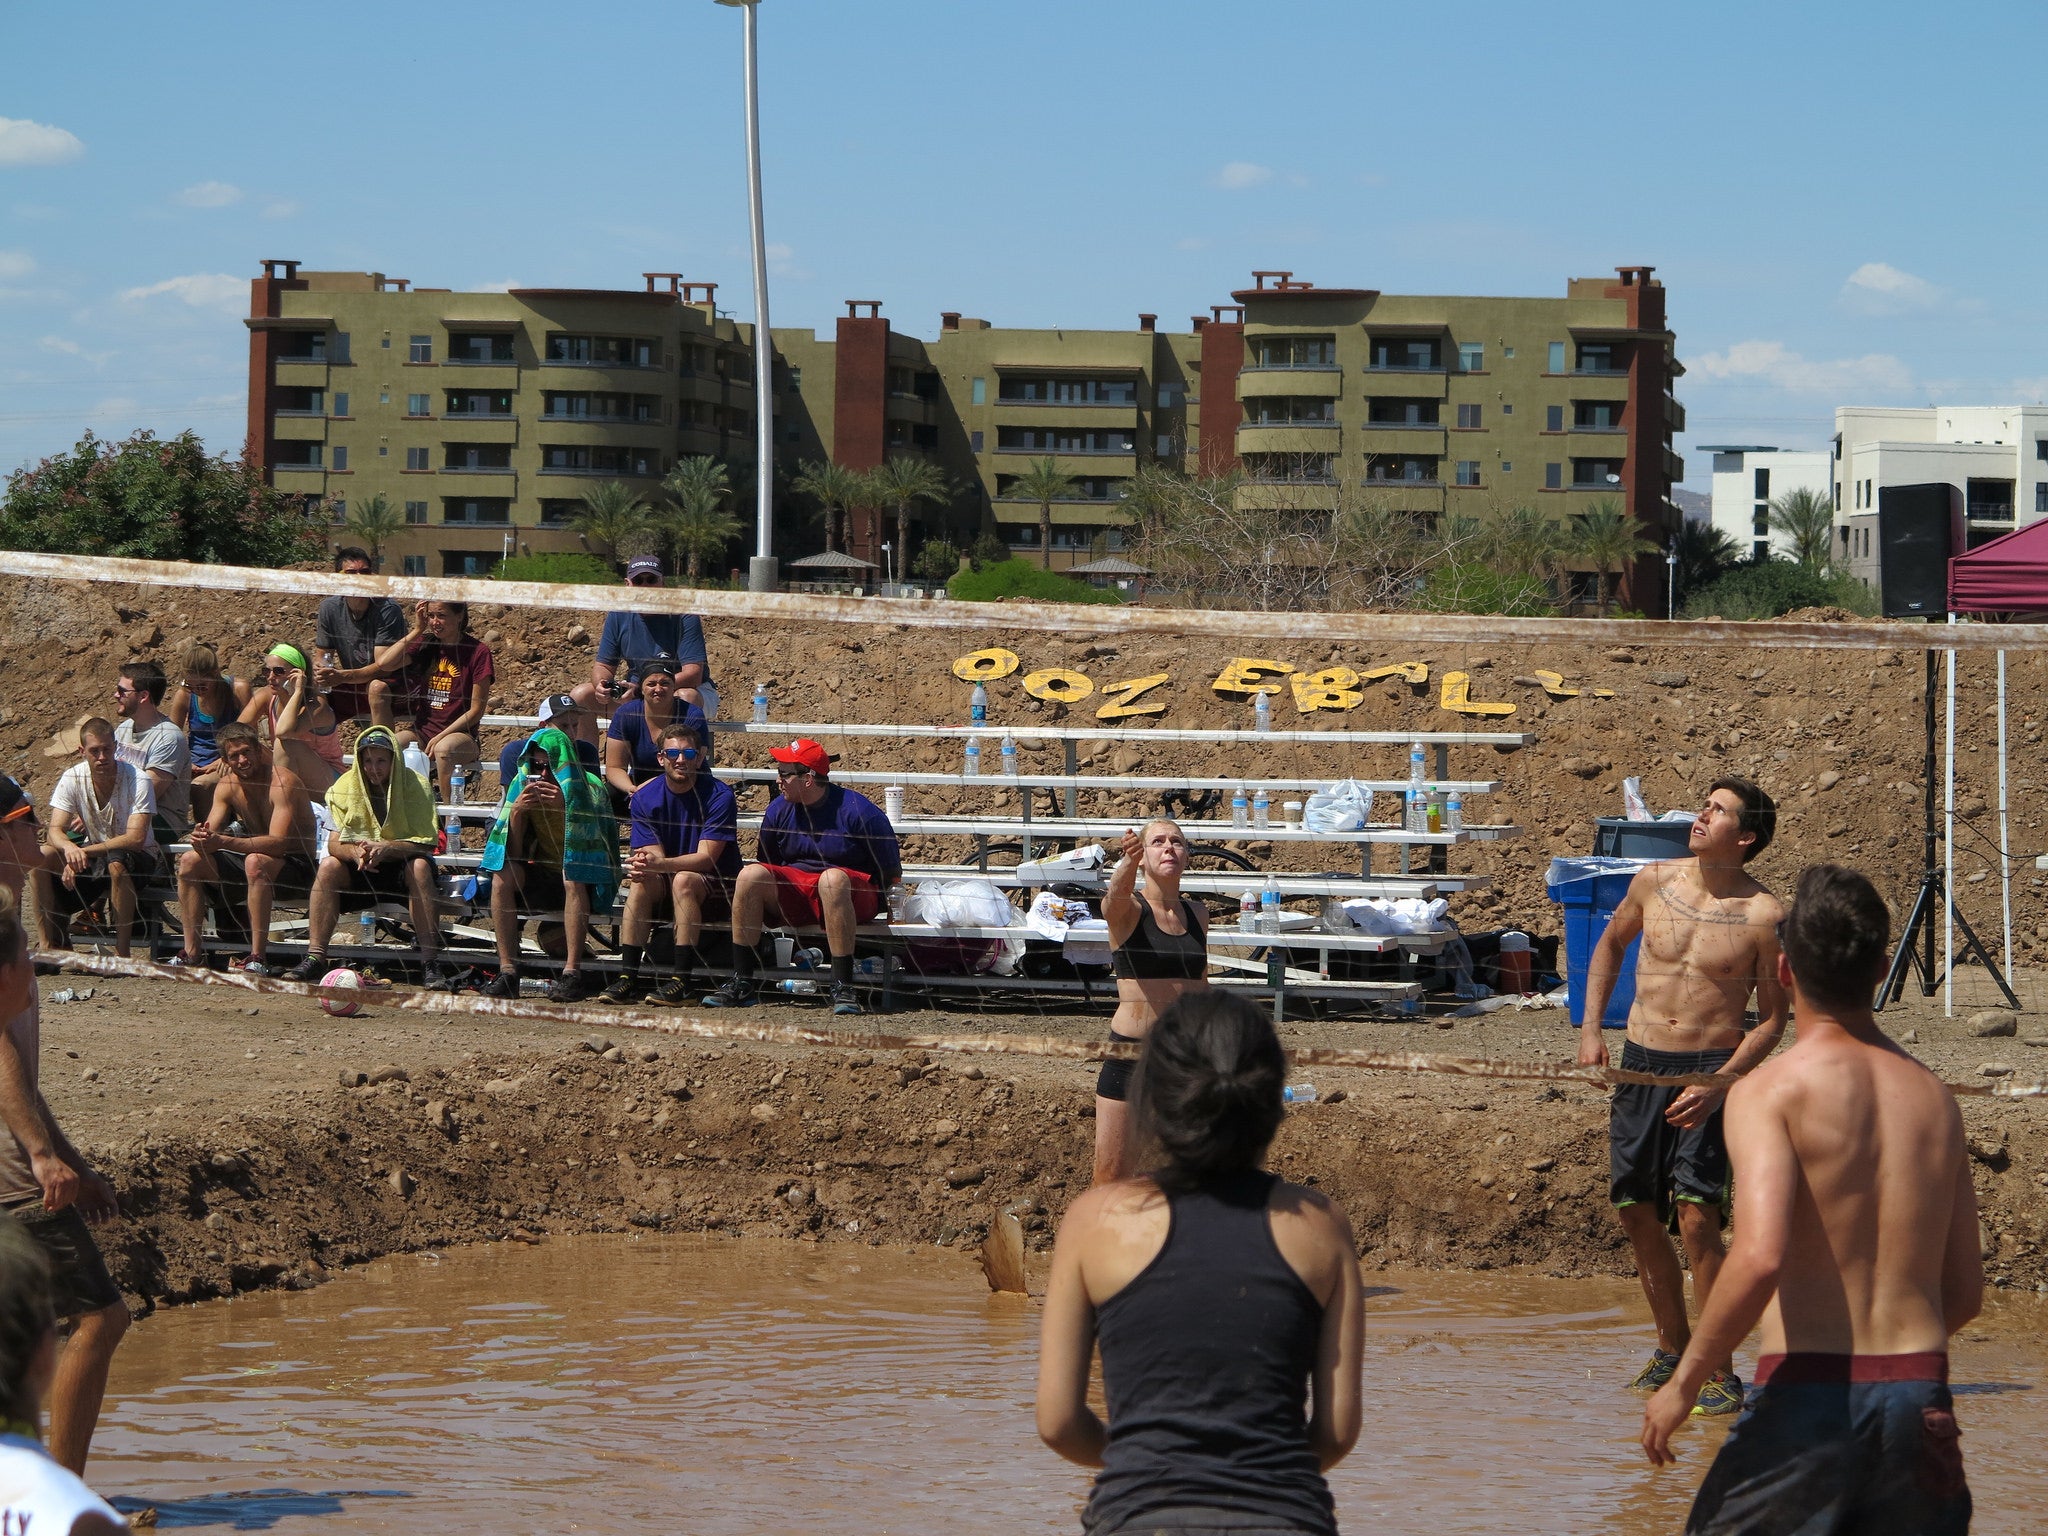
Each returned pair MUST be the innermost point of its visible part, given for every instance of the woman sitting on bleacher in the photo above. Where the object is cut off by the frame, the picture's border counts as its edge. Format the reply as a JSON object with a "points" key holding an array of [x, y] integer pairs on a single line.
{"points": [[303, 730], [632, 748], [200, 706], [1159, 949]]}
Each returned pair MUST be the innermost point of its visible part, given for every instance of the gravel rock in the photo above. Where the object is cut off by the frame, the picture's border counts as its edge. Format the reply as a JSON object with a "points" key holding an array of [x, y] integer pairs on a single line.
{"points": [[597, 1045], [763, 1112], [1540, 1164], [963, 1178], [439, 1118], [401, 1183], [351, 1078], [1624, 657], [611, 1053], [1827, 781], [1996, 1069], [390, 1072], [1669, 679], [1994, 1024]]}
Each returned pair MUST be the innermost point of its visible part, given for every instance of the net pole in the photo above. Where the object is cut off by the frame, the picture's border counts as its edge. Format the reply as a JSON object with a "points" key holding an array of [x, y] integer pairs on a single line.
{"points": [[1948, 850]]}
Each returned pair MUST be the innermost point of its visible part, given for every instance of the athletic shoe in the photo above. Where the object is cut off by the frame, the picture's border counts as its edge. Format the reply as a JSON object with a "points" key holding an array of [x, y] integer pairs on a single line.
{"points": [[1663, 1365], [567, 988], [435, 977], [676, 992], [737, 993], [624, 990], [1720, 1393], [184, 962], [250, 966], [844, 1000], [504, 984], [312, 968]]}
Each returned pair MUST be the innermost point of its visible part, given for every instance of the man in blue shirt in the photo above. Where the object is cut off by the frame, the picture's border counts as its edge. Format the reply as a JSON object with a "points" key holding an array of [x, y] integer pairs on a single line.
{"points": [[630, 639], [828, 855], [686, 855]]}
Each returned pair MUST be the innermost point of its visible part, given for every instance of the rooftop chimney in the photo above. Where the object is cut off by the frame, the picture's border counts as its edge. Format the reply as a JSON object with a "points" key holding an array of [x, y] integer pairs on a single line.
{"points": [[949, 319], [1196, 322], [674, 281], [1147, 322], [855, 306], [698, 293], [272, 263]]}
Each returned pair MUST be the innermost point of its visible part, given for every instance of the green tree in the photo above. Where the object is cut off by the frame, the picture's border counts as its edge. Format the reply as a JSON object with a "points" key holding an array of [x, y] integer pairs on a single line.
{"points": [[835, 488], [937, 561], [1705, 554], [151, 498], [1043, 483], [373, 520], [696, 524], [900, 483], [615, 516], [1522, 542], [1807, 519], [1607, 538]]}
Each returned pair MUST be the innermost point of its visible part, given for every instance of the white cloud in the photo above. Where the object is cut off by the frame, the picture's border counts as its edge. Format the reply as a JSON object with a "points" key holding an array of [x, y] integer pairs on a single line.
{"points": [[70, 348], [14, 264], [25, 143], [782, 262], [1879, 288], [200, 290], [283, 208], [1775, 364], [208, 194], [1242, 175]]}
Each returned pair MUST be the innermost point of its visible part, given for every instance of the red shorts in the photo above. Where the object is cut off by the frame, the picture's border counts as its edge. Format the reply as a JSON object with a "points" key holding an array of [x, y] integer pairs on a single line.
{"points": [[798, 890]]}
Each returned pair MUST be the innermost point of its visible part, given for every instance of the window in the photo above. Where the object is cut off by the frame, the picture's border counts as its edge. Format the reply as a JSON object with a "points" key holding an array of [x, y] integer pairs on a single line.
{"points": [[1471, 357], [1468, 416], [1763, 485], [1508, 410], [1290, 410], [1553, 477], [1292, 468], [479, 347], [978, 391], [1169, 394], [341, 402], [386, 342], [418, 405], [1597, 357], [466, 563], [559, 514], [340, 460], [476, 510], [1507, 466], [2041, 495], [1402, 413], [341, 348], [1468, 471], [1553, 418], [1294, 352], [416, 458], [796, 378], [421, 350], [1067, 391], [1162, 445], [974, 439], [383, 451], [2041, 449], [1603, 416], [384, 395], [1596, 474], [1423, 355], [415, 511], [415, 565], [1508, 353], [1556, 357]]}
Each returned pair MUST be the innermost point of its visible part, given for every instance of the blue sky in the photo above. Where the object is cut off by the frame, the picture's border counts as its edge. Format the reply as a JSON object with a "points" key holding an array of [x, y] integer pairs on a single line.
{"points": [[1842, 199]]}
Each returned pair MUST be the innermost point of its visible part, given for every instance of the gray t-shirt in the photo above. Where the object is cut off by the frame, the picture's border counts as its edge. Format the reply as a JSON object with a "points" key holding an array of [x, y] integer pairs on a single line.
{"points": [[18, 1183], [356, 641], [164, 748]]}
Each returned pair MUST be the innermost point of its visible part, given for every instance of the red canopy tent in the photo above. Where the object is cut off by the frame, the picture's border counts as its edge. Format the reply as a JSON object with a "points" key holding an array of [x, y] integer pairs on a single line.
{"points": [[2008, 575]]}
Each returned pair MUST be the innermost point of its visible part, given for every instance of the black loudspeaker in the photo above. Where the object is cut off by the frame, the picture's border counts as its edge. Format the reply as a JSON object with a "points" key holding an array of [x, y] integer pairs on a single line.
{"points": [[1918, 528]]}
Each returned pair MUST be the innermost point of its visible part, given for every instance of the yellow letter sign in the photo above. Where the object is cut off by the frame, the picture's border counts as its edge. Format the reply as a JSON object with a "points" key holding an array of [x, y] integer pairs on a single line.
{"points": [[1247, 675], [1058, 685], [1331, 688], [1457, 695], [985, 666]]}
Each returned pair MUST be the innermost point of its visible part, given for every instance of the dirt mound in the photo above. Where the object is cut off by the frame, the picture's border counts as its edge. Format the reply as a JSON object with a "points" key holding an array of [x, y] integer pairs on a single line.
{"points": [[1825, 615]]}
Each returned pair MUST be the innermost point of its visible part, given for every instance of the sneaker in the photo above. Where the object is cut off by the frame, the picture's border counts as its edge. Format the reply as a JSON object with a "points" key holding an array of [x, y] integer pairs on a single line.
{"points": [[1720, 1393], [250, 966], [184, 962], [567, 988], [1663, 1365], [312, 968], [844, 999], [434, 976], [624, 990], [676, 992], [504, 984], [740, 992]]}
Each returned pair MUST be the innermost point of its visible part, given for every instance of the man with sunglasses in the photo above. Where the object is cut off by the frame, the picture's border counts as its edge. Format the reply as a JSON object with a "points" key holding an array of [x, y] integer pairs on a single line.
{"points": [[348, 634], [828, 856], [150, 742], [629, 640], [686, 855]]}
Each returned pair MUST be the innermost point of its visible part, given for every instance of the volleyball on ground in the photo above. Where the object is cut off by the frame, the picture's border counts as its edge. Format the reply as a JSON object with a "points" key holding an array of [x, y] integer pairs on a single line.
{"points": [[341, 1007]]}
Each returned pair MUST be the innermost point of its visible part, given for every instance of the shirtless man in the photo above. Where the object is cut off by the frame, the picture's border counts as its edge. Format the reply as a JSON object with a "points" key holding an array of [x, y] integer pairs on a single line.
{"points": [[1857, 1246], [272, 848], [1709, 937]]}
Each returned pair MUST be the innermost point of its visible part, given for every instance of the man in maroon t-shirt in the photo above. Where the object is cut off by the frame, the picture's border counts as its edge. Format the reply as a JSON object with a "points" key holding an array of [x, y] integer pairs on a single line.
{"points": [[443, 677]]}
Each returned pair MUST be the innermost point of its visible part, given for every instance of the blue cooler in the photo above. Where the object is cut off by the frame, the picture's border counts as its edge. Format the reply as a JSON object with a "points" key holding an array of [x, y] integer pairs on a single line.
{"points": [[1589, 889]]}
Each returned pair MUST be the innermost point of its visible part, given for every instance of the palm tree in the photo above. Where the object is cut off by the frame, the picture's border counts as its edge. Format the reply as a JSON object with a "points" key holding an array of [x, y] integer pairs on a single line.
{"points": [[693, 523], [1608, 538], [1807, 518], [898, 483], [1704, 553], [836, 487], [1523, 542], [1044, 484], [373, 520], [614, 515]]}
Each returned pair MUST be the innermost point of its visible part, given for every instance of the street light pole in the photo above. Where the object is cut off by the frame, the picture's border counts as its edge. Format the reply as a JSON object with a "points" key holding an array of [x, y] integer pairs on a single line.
{"points": [[762, 572]]}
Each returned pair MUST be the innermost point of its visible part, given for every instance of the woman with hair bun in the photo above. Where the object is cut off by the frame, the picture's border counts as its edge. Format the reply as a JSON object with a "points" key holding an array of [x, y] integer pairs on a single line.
{"points": [[36, 1494], [1224, 1300]]}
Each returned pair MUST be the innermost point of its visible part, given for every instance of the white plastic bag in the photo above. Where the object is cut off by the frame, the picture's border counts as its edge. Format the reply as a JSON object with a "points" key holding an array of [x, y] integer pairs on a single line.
{"points": [[962, 904], [1345, 806]]}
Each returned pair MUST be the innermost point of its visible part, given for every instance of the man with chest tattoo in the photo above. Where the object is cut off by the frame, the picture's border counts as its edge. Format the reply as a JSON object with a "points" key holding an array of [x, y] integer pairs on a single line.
{"points": [[1709, 943]]}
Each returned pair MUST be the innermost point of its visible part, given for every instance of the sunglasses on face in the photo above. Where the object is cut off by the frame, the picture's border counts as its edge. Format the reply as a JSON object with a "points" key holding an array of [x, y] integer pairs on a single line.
{"points": [[123, 691], [790, 771], [680, 754]]}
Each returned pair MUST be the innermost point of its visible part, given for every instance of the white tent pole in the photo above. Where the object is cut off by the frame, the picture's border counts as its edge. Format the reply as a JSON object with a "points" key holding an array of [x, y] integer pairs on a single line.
{"points": [[2004, 824], [1948, 850]]}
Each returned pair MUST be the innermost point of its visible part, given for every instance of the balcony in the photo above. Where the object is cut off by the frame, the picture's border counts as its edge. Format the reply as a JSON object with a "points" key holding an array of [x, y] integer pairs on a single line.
{"points": [[1674, 414], [1315, 439], [300, 426], [1317, 383], [1403, 482]]}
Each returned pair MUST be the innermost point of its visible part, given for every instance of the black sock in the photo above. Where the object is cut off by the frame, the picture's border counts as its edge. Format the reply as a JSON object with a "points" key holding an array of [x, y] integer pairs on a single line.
{"points": [[842, 970], [629, 959], [687, 961], [746, 962]]}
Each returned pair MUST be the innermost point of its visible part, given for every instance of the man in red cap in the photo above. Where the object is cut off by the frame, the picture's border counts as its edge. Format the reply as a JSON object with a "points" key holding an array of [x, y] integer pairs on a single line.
{"points": [[828, 855]]}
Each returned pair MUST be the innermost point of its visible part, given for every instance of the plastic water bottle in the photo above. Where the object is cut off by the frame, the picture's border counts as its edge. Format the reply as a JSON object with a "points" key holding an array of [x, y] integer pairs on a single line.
{"points": [[1262, 807], [760, 703], [1269, 905], [1009, 755], [1432, 810], [899, 903], [1240, 808], [1299, 1093], [1262, 712], [1412, 812], [1454, 812], [808, 958], [451, 832], [458, 786], [417, 760], [1248, 910], [977, 709], [366, 928], [973, 765], [798, 988], [1416, 762]]}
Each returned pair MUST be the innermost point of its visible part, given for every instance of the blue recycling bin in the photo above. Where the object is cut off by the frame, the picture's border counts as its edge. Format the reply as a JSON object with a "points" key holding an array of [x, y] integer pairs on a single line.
{"points": [[1589, 889]]}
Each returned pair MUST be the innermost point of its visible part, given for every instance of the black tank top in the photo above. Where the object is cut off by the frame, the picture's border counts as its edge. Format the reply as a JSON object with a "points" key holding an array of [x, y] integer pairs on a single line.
{"points": [[1206, 1358], [1153, 954]]}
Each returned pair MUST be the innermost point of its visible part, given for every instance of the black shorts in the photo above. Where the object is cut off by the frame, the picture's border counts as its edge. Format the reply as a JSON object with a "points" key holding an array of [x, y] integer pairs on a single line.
{"points": [[540, 886], [295, 878], [92, 886], [373, 887], [1652, 1161], [79, 1282], [1114, 1081]]}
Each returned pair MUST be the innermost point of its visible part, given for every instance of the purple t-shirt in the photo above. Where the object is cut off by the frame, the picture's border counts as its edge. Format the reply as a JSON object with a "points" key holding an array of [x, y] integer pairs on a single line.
{"points": [[844, 830], [678, 823], [629, 724]]}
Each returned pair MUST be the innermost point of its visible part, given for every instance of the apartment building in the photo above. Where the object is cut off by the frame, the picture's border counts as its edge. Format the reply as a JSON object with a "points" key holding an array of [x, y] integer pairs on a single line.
{"points": [[487, 415], [1748, 477]]}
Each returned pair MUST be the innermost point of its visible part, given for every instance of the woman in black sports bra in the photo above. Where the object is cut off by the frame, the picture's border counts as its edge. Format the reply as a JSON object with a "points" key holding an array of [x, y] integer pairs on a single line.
{"points": [[1159, 949]]}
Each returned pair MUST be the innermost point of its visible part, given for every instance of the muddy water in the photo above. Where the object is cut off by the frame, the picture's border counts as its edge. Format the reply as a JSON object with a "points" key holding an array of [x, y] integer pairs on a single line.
{"points": [[717, 1387]]}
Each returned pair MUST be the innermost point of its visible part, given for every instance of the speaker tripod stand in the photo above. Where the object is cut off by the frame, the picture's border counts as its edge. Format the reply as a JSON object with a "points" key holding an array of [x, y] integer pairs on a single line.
{"points": [[1916, 943]]}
